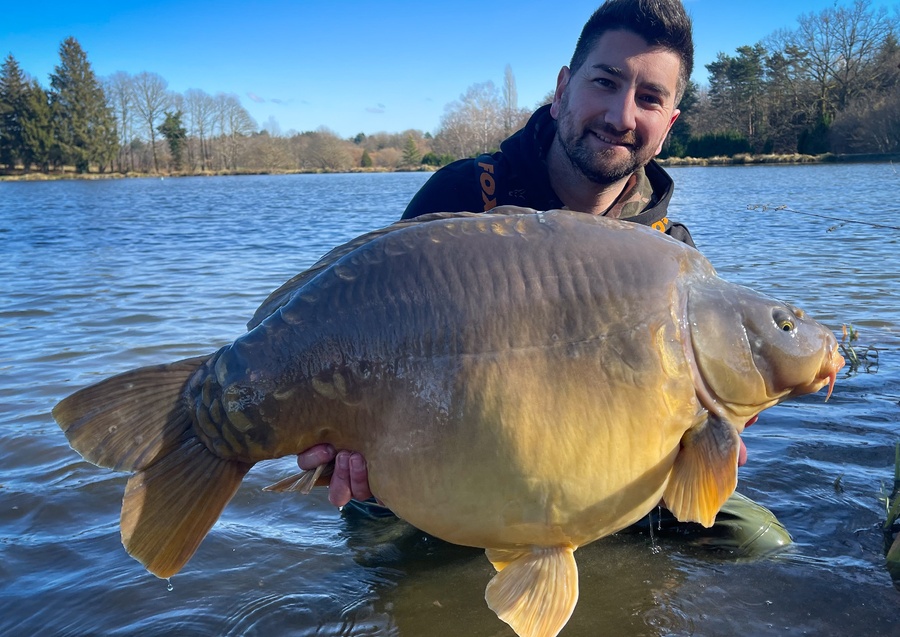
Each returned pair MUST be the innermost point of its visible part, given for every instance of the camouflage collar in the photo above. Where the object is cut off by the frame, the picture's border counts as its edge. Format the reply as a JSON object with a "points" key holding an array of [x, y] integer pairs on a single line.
{"points": [[636, 196]]}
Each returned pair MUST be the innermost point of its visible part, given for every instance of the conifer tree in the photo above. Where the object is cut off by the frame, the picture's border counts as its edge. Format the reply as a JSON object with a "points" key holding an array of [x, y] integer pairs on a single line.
{"points": [[13, 87], [81, 116], [37, 128], [411, 155]]}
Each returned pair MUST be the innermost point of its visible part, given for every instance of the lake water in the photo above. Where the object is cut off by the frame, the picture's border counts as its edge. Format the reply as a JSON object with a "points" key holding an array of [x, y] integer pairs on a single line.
{"points": [[102, 276]]}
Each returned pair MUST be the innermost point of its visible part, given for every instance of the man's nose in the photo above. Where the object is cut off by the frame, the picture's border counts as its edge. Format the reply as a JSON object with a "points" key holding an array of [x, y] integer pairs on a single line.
{"points": [[622, 111]]}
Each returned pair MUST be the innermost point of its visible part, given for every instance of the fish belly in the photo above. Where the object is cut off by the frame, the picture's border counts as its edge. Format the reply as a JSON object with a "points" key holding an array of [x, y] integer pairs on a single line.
{"points": [[504, 389]]}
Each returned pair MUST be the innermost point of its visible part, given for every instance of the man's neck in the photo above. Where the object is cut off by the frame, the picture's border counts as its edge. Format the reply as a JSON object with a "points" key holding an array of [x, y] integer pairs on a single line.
{"points": [[575, 190]]}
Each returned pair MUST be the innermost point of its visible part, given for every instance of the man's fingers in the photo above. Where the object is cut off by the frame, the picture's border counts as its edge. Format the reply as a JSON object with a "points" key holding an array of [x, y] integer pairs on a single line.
{"points": [[315, 456], [339, 492], [350, 478], [359, 477]]}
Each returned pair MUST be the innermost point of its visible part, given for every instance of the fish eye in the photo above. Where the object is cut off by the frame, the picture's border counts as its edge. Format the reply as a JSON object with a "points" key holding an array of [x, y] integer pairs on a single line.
{"points": [[784, 320]]}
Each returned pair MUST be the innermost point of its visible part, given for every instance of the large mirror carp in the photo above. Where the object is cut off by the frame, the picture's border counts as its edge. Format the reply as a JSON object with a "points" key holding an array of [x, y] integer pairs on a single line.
{"points": [[526, 382]]}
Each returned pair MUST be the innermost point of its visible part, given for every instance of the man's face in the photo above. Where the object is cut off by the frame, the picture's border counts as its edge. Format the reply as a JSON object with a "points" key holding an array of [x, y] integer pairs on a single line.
{"points": [[614, 112]]}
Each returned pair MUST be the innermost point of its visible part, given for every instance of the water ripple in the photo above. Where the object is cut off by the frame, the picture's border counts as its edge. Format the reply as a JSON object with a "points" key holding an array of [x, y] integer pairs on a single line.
{"points": [[101, 277]]}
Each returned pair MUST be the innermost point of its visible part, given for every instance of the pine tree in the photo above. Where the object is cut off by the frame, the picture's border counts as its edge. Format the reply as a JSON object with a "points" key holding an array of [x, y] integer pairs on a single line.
{"points": [[366, 160], [105, 147], [37, 128], [81, 116], [13, 90], [411, 154]]}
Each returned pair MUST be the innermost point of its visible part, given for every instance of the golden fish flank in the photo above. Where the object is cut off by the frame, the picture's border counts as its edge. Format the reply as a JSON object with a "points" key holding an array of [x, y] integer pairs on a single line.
{"points": [[583, 368]]}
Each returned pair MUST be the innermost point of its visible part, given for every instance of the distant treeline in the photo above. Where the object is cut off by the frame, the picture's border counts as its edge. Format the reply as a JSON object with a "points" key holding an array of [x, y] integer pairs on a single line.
{"points": [[832, 84]]}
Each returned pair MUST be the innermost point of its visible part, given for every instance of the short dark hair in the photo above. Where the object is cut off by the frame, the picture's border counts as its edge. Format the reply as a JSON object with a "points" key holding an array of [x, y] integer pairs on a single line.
{"points": [[662, 23]]}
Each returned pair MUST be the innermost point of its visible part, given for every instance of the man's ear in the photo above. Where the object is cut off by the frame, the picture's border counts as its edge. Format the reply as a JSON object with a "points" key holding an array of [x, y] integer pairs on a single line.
{"points": [[675, 115], [562, 80]]}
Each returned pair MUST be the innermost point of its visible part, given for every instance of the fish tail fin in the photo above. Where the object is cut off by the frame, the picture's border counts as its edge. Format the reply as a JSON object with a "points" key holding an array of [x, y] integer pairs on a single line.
{"points": [[535, 590], [129, 421], [705, 472], [170, 506], [141, 421]]}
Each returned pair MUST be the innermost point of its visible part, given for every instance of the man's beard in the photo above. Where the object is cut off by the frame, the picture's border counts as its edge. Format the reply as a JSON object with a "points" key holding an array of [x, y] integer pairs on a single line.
{"points": [[601, 167]]}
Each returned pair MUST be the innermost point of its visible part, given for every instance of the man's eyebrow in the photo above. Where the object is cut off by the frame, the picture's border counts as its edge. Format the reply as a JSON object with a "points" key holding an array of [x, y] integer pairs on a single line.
{"points": [[615, 71], [612, 70]]}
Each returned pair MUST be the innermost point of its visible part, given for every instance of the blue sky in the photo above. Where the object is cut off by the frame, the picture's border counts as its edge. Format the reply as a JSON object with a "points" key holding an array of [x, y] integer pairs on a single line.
{"points": [[352, 66]]}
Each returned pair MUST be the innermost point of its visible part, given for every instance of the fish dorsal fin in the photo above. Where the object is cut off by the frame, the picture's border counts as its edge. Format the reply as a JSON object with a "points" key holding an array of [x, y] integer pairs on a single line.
{"points": [[705, 472], [283, 294], [535, 590]]}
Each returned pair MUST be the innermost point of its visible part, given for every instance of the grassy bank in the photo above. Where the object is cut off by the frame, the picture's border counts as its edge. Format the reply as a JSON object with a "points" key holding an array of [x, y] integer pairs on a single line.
{"points": [[21, 175], [746, 159], [742, 159]]}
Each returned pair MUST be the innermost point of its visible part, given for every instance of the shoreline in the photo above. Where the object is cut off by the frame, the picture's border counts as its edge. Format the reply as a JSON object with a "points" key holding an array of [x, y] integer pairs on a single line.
{"points": [[748, 159], [742, 159], [69, 173]]}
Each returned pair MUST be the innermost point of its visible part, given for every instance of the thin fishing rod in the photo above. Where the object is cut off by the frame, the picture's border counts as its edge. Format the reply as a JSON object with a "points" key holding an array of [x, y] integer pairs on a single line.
{"points": [[766, 207]]}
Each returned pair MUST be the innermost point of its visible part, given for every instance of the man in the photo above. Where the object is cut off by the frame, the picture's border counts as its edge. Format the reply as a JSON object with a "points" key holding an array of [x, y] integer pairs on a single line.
{"points": [[591, 150]]}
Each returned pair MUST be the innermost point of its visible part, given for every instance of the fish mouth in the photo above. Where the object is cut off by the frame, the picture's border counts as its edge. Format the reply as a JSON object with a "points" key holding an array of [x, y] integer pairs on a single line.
{"points": [[832, 363], [830, 369]]}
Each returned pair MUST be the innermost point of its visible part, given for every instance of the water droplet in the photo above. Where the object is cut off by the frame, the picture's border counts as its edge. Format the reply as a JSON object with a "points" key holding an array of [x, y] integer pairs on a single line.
{"points": [[169, 586]]}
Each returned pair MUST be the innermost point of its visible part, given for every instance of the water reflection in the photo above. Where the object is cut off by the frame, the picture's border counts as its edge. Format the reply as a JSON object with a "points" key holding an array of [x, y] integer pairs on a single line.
{"points": [[421, 585]]}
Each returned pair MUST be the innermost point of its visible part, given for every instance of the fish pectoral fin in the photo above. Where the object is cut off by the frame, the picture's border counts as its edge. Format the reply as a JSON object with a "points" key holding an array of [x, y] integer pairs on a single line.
{"points": [[501, 558], [304, 481], [535, 590], [705, 472]]}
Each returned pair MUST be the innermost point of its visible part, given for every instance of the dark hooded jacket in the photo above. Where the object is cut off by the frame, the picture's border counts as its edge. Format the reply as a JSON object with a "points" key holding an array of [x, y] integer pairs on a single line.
{"points": [[517, 175]]}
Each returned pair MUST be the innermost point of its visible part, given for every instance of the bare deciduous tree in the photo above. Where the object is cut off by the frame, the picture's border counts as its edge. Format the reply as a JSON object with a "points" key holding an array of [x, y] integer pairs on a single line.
{"points": [[200, 110], [473, 124], [120, 93], [840, 43], [510, 100], [860, 34], [151, 99], [233, 122], [267, 152], [327, 151]]}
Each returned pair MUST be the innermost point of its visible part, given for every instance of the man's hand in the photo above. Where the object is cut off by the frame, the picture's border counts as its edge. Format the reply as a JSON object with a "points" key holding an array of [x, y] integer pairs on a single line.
{"points": [[350, 478]]}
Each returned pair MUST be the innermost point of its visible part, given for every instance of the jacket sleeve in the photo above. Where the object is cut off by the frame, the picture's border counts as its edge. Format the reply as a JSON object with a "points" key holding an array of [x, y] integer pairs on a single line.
{"points": [[451, 189]]}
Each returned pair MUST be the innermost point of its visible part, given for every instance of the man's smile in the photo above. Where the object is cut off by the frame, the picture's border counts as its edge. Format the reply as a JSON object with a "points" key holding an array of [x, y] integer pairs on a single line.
{"points": [[626, 141]]}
